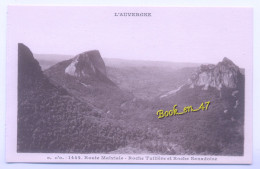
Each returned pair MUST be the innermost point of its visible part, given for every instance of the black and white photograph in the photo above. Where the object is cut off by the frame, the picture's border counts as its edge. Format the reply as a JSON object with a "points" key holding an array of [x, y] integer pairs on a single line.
{"points": [[129, 84]]}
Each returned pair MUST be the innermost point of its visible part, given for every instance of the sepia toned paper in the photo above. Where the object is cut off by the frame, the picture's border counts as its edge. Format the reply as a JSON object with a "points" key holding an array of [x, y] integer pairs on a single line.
{"points": [[129, 85]]}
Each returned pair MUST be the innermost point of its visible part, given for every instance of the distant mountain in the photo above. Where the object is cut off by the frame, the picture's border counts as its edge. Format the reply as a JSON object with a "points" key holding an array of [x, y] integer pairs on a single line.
{"points": [[48, 60], [224, 74], [148, 79], [121, 63]]}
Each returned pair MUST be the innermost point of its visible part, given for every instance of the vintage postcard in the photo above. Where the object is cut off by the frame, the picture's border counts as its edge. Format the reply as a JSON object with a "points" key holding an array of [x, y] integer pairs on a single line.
{"points": [[129, 85]]}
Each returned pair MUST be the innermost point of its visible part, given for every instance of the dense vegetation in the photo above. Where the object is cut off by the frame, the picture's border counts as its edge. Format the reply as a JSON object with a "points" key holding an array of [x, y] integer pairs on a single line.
{"points": [[218, 130], [60, 113]]}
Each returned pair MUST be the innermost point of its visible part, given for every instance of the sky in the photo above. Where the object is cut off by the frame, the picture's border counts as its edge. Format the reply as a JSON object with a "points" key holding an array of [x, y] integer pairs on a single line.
{"points": [[199, 35]]}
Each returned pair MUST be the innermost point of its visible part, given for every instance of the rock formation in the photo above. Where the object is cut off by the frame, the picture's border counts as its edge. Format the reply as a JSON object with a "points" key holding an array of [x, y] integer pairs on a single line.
{"points": [[86, 64], [224, 74], [29, 70]]}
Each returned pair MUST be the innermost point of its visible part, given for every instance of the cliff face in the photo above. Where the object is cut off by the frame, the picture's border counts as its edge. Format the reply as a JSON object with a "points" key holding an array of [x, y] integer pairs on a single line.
{"points": [[86, 64], [29, 70], [224, 74]]}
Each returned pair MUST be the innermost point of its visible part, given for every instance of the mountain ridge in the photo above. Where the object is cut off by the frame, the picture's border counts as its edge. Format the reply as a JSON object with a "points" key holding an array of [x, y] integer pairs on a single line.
{"points": [[53, 120]]}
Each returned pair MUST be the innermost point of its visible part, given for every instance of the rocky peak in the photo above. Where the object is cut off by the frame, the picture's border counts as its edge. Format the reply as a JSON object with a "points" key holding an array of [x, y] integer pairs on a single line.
{"points": [[29, 70], [86, 64], [224, 74], [227, 61]]}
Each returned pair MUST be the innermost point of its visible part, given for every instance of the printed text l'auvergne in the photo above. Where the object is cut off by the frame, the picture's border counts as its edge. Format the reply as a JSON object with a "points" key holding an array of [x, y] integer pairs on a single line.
{"points": [[133, 14]]}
